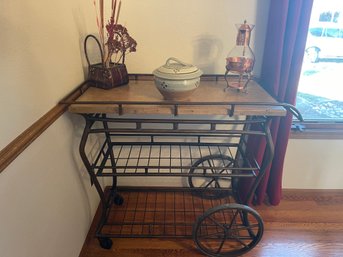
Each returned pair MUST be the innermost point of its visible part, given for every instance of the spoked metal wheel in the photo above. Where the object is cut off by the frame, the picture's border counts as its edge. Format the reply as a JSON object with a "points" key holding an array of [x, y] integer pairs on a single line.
{"points": [[211, 186], [228, 230]]}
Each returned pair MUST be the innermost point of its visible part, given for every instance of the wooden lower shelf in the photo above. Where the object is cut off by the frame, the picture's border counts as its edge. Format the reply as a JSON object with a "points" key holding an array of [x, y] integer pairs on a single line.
{"points": [[307, 223], [158, 212]]}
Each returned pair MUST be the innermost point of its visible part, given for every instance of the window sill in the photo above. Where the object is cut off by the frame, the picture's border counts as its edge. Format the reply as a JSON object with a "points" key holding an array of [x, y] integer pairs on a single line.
{"points": [[316, 130]]}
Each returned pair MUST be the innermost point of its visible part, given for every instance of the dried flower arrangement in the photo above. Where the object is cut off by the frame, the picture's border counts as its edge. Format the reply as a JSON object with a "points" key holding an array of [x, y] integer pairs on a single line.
{"points": [[117, 43]]}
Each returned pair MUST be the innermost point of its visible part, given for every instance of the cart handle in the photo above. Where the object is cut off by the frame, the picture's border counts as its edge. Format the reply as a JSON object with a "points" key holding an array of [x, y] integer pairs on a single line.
{"points": [[295, 112]]}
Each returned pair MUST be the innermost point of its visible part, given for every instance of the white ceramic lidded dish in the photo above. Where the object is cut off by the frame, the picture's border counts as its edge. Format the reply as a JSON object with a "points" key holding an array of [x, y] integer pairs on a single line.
{"points": [[177, 80]]}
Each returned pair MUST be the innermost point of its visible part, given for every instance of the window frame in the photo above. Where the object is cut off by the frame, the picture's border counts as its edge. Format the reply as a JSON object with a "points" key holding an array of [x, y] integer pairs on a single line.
{"points": [[313, 129], [317, 128]]}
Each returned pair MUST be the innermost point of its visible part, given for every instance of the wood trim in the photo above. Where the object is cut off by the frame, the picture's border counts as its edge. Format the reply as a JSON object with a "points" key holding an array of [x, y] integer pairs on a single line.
{"points": [[19, 144]]}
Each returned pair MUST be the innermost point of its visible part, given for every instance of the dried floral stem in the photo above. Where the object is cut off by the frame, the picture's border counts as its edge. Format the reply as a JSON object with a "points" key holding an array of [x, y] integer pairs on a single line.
{"points": [[118, 38], [118, 12], [114, 5], [111, 35], [102, 15], [99, 25]]}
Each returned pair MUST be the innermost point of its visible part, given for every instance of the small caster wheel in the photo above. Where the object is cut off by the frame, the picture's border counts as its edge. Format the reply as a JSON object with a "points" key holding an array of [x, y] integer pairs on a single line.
{"points": [[118, 200], [105, 242]]}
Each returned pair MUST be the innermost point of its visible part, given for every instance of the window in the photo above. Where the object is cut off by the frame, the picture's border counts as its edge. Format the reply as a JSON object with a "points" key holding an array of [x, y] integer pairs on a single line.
{"points": [[320, 91]]}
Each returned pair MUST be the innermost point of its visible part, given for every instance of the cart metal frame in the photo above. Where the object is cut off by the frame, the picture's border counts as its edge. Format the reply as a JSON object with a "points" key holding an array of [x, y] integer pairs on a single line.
{"points": [[196, 149]]}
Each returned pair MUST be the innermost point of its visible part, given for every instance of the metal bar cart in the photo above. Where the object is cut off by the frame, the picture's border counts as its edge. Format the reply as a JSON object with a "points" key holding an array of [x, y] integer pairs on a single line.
{"points": [[203, 141]]}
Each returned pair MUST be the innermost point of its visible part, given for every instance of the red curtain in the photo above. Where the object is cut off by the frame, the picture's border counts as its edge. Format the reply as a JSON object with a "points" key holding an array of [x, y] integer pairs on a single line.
{"points": [[283, 54]]}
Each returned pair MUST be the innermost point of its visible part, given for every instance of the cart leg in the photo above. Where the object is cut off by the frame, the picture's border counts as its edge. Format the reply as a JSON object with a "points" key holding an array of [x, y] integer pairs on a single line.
{"points": [[239, 160], [267, 159], [228, 230], [104, 242], [117, 198], [86, 162]]}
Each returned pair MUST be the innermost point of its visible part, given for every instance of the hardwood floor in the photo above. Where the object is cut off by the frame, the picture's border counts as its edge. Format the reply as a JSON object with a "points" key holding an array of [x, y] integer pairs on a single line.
{"points": [[307, 223]]}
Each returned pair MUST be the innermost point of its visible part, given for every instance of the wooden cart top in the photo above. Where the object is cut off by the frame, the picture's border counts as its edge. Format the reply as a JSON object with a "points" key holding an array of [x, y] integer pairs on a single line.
{"points": [[142, 97]]}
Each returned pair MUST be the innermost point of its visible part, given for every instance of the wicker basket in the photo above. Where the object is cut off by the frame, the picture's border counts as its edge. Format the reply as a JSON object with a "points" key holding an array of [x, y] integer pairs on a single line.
{"points": [[103, 77]]}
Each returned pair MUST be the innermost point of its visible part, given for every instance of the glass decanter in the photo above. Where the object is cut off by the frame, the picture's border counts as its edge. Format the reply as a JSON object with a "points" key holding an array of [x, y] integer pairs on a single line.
{"points": [[241, 59]]}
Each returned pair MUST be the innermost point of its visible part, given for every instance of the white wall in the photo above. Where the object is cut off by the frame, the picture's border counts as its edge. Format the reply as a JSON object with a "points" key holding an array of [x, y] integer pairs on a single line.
{"points": [[201, 32], [46, 201], [40, 59], [313, 164]]}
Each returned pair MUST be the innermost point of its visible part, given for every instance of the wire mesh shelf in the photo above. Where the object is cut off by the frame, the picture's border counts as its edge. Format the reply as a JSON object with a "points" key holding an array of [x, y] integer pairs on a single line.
{"points": [[174, 159]]}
